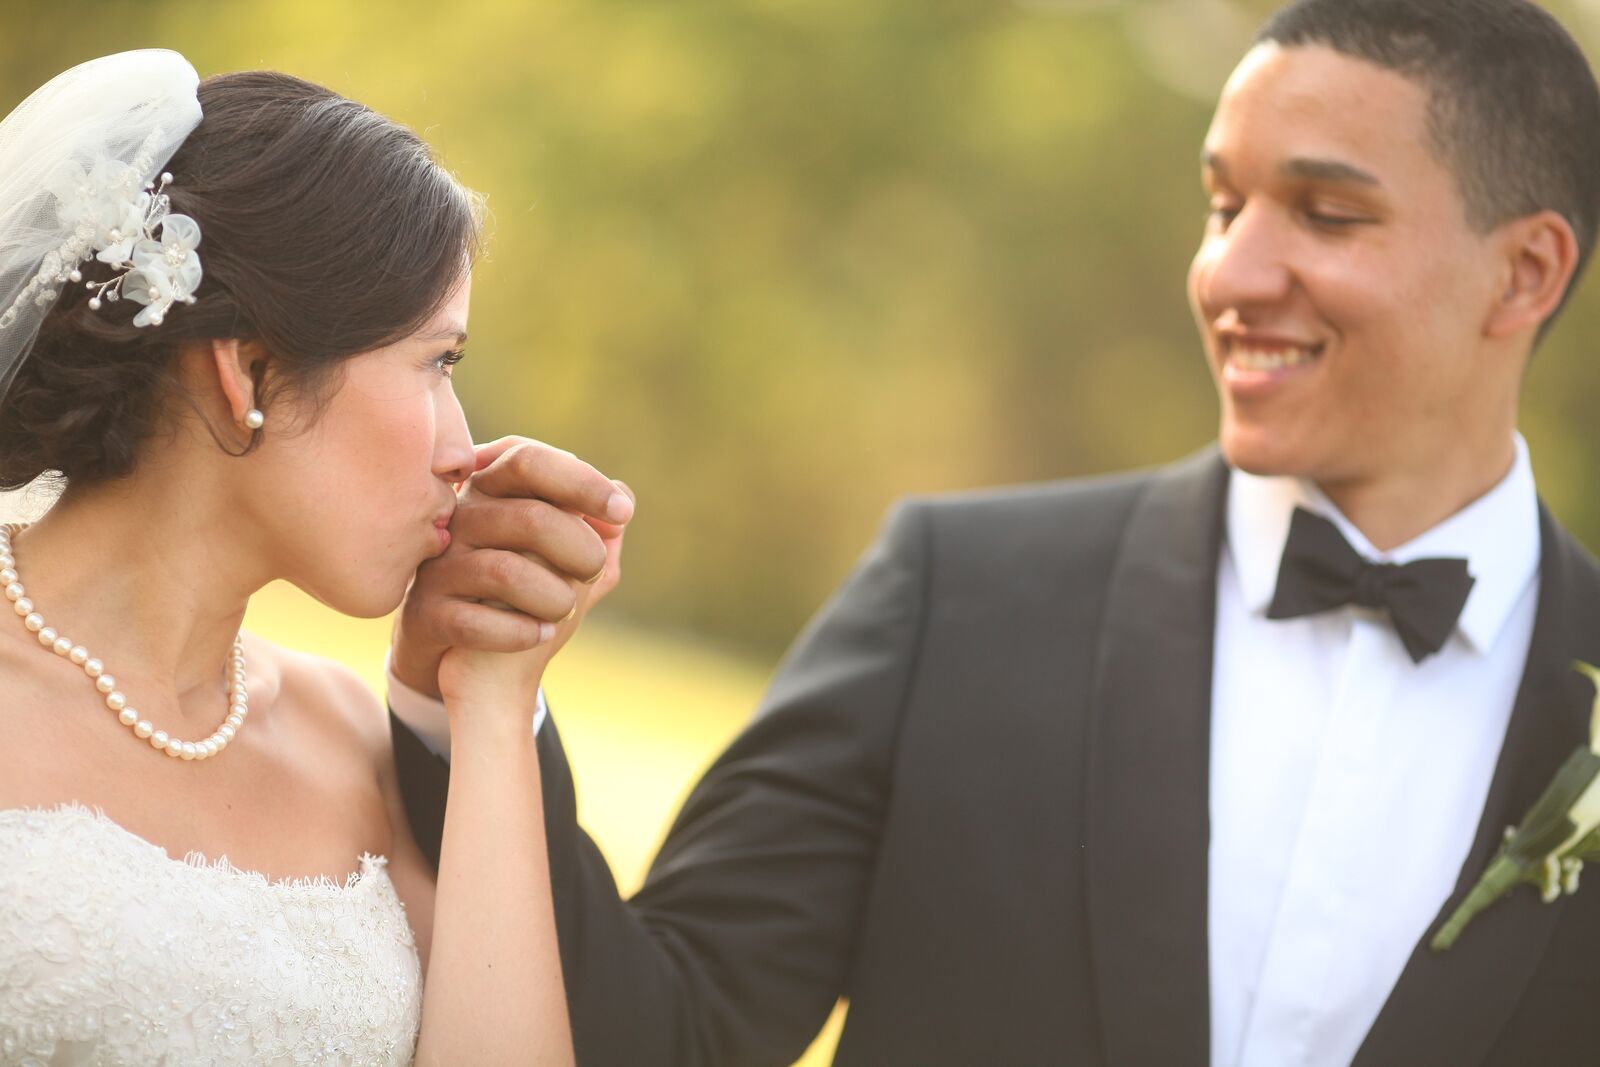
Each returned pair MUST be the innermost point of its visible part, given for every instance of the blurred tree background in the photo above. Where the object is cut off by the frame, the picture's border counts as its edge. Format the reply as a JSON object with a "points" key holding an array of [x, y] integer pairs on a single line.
{"points": [[778, 263]]}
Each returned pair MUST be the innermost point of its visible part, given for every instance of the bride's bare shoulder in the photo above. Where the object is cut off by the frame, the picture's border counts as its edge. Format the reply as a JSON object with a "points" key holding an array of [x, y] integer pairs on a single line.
{"points": [[330, 698]]}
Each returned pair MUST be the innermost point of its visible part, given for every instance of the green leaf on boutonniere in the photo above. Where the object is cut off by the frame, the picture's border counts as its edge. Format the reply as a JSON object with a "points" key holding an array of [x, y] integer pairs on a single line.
{"points": [[1558, 834]]}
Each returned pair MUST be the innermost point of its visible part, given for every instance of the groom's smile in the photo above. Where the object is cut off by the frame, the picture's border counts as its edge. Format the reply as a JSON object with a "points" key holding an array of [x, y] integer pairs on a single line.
{"points": [[1254, 364], [1339, 288]]}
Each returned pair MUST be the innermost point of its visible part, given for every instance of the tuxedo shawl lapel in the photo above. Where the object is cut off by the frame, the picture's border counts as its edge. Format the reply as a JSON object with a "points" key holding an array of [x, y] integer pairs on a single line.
{"points": [[1148, 817], [1448, 1007]]}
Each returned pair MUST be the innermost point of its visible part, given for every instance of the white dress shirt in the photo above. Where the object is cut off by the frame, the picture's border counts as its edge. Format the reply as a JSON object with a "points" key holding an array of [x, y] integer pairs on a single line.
{"points": [[1346, 780], [426, 715]]}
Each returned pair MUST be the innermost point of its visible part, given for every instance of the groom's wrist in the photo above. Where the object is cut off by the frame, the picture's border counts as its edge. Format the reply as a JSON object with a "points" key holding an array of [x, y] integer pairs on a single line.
{"points": [[420, 712], [417, 669]]}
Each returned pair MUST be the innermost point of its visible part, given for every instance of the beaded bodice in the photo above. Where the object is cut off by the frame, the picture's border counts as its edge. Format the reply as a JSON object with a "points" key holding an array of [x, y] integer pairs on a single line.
{"points": [[112, 952]]}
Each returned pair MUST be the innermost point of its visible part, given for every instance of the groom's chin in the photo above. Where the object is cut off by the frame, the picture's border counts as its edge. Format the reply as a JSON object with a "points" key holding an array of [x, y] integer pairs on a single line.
{"points": [[1257, 450]]}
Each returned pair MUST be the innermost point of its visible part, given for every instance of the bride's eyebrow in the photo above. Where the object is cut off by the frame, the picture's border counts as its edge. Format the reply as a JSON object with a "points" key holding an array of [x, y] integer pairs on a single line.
{"points": [[459, 336]]}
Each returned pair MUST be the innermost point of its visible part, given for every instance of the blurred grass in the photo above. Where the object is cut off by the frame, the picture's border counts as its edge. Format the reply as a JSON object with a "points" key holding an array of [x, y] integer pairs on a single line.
{"points": [[641, 715]]}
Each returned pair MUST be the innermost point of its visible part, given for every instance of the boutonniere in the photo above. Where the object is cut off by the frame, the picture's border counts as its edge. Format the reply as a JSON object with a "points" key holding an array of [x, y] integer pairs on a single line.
{"points": [[1559, 833]]}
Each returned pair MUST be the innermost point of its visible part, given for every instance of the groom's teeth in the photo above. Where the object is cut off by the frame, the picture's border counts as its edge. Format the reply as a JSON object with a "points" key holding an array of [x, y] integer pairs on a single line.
{"points": [[1261, 359]]}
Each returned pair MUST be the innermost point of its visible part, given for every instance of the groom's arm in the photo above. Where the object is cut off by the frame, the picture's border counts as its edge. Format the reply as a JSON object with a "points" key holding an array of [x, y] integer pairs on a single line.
{"points": [[741, 940]]}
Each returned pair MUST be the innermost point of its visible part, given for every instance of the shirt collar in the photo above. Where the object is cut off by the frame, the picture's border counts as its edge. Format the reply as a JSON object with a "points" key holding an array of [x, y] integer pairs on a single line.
{"points": [[1497, 534]]}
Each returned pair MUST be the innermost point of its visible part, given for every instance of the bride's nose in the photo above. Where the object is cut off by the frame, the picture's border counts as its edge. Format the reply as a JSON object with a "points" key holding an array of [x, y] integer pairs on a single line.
{"points": [[453, 456]]}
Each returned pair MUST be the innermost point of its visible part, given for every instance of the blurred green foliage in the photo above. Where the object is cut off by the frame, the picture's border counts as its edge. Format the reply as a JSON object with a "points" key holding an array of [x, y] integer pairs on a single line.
{"points": [[776, 263]]}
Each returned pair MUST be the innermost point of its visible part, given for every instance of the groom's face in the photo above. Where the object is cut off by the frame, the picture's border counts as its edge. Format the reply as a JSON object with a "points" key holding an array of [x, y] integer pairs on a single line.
{"points": [[1339, 289]]}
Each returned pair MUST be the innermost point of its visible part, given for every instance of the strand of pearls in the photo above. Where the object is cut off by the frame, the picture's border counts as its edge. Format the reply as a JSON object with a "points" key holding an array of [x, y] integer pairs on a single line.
{"points": [[160, 740]]}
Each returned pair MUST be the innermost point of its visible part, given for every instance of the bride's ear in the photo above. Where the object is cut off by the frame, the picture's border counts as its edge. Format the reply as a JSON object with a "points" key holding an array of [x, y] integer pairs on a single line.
{"points": [[235, 364]]}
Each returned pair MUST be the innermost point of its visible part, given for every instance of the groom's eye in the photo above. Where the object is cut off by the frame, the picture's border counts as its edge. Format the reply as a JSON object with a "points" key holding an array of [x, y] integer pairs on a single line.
{"points": [[1221, 215], [1332, 219]]}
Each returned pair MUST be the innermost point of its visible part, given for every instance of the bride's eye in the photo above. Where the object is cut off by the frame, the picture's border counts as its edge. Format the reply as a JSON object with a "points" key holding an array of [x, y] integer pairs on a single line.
{"points": [[449, 359]]}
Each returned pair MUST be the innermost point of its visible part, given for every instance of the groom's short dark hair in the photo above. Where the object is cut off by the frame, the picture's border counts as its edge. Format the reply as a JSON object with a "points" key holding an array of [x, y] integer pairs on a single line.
{"points": [[1514, 111]]}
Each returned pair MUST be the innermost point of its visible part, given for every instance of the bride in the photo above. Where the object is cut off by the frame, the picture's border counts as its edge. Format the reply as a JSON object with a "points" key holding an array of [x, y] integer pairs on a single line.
{"points": [[203, 853]]}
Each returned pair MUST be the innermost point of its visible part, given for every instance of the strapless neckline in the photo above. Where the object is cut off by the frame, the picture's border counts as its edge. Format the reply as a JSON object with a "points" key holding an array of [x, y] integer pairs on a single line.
{"points": [[113, 951], [369, 865]]}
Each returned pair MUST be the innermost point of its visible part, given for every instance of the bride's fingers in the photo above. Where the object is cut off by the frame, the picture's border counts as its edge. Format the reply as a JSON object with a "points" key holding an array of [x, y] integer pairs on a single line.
{"points": [[569, 544]]}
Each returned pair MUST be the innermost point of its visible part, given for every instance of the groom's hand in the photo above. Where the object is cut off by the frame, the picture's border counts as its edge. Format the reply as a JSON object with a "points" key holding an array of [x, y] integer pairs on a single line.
{"points": [[534, 528]]}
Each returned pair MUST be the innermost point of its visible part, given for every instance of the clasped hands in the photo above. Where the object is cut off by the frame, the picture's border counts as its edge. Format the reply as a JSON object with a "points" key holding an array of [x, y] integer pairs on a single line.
{"points": [[536, 540]]}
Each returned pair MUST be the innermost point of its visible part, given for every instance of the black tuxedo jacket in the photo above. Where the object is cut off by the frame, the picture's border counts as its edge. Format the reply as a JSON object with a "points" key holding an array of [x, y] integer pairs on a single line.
{"points": [[974, 802]]}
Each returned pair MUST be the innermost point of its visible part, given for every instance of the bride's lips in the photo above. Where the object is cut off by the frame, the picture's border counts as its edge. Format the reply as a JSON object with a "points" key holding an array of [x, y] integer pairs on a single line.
{"points": [[441, 527], [1256, 366]]}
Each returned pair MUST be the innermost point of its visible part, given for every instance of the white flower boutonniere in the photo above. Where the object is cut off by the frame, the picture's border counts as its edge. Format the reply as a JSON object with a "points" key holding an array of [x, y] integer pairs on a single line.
{"points": [[1560, 832]]}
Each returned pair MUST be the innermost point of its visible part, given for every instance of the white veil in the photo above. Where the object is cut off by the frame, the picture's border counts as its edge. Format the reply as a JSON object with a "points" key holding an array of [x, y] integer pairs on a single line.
{"points": [[117, 119]]}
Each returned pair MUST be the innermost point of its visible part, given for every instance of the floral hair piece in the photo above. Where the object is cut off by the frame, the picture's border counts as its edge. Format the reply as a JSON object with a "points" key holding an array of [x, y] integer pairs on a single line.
{"points": [[110, 216], [155, 271], [83, 173]]}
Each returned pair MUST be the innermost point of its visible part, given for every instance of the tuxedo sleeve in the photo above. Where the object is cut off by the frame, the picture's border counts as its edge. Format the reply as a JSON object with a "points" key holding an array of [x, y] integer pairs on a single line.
{"points": [[740, 941]]}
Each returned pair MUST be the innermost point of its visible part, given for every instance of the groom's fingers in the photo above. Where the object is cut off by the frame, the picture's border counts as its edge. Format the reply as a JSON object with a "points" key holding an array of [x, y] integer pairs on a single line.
{"points": [[611, 538], [565, 540], [525, 583], [466, 624], [516, 467]]}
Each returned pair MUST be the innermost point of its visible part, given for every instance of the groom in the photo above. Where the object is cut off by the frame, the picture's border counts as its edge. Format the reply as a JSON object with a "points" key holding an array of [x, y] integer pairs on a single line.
{"points": [[1182, 766]]}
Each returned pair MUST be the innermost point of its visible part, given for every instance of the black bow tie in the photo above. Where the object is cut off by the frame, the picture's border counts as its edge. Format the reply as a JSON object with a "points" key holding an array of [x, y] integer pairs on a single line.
{"points": [[1320, 572]]}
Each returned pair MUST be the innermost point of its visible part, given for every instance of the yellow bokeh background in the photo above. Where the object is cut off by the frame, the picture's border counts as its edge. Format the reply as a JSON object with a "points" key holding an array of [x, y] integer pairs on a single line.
{"points": [[776, 264]]}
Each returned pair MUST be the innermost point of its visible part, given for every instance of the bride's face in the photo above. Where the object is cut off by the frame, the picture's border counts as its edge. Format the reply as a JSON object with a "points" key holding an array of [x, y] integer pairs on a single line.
{"points": [[352, 504]]}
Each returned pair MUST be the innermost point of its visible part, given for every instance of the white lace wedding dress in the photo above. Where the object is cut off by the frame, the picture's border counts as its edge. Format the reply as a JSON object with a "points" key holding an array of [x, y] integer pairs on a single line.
{"points": [[113, 953]]}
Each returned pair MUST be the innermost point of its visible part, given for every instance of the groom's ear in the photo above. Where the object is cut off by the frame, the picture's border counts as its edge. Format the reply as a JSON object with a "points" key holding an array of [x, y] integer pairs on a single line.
{"points": [[1539, 256]]}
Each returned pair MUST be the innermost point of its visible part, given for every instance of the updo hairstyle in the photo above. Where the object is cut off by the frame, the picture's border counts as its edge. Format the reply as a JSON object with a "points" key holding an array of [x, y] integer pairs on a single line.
{"points": [[327, 230]]}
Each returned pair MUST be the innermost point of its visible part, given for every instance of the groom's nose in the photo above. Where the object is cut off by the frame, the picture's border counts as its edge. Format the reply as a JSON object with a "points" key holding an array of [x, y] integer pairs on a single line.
{"points": [[1247, 264]]}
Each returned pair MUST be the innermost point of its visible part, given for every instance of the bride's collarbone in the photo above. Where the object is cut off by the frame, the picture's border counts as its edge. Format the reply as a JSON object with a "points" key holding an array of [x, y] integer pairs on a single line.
{"points": [[287, 799]]}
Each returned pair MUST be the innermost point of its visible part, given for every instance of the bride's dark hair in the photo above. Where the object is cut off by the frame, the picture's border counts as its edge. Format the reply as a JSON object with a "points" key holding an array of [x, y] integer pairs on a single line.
{"points": [[327, 230]]}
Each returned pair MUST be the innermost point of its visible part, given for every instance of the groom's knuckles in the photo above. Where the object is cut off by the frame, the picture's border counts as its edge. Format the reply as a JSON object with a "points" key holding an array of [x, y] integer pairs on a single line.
{"points": [[526, 584], [534, 526], [486, 454], [488, 629], [528, 468], [531, 469]]}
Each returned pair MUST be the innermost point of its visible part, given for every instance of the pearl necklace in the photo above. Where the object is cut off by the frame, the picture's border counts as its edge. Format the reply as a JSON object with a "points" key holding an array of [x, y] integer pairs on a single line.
{"points": [[238, 695]]}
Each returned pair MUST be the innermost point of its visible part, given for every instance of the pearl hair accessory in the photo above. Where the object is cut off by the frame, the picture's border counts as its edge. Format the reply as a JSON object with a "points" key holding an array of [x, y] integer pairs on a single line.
{"points": [[254, 419], [106, 685]]}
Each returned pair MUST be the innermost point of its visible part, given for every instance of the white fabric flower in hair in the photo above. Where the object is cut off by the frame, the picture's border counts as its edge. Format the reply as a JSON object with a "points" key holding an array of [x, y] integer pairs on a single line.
{"points": [[107, 201], [165, 271], [174, 253], [120, 225]]}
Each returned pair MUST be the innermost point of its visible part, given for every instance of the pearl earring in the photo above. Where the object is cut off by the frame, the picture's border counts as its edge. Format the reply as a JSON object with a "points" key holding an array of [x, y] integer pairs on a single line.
{"points": [[254, 419]]}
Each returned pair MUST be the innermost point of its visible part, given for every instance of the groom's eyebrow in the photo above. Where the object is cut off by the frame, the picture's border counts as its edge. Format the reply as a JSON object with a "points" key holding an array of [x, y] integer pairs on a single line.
{"points": [[1327, 170], [1330, 170]]}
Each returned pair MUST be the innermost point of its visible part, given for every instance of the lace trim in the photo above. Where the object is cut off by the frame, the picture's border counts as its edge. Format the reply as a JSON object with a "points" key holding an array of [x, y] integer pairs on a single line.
{"points": [[220, 868], [112, 953]]}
